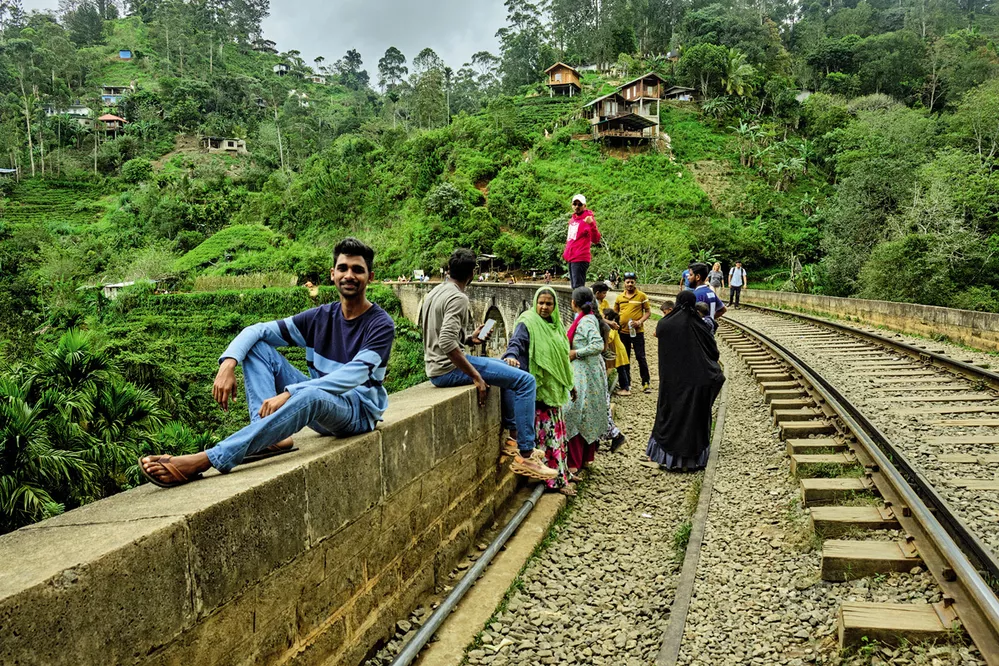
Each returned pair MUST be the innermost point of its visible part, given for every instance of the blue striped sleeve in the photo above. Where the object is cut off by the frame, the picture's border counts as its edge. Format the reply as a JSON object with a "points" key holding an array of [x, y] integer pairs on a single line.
{"points": [[268, 331]]}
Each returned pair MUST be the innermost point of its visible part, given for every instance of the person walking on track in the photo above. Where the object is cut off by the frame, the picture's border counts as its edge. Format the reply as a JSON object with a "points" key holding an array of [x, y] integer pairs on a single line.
{"points": [[736, 281], [582, 234], [716, 278]]}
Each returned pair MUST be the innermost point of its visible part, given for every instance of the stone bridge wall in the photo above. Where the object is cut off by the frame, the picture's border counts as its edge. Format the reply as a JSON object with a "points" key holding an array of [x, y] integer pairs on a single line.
{"points": [[975, 329], [306, 558], [502, 302]]}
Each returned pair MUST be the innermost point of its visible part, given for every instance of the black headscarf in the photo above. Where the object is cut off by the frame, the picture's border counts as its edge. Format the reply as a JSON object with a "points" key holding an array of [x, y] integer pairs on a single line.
{"points": [[689, 379]]}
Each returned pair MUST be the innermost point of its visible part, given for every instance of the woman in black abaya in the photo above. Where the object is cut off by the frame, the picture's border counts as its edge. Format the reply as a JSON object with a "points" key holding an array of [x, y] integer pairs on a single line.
{"points": [[689, 381]]}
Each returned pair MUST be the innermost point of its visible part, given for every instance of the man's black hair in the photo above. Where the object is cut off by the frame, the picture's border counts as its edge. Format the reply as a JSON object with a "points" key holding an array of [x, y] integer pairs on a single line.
{"points": [[461, 265], [352, 247], [599, 286], [700, 270]]}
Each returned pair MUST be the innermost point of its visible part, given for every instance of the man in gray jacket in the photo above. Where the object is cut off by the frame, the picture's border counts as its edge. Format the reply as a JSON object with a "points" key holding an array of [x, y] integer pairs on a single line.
{"points": [[446, 322]]}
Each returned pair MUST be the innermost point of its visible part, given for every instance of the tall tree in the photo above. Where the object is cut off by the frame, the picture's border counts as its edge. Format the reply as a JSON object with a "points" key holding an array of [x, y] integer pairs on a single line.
{"points": [[84, 23], [521, 44], [349, 69], [26, 73], [392, 69], [704, 65], [429, 95]]}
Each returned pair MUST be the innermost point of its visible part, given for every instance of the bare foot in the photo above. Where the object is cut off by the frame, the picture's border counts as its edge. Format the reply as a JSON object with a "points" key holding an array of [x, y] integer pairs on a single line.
{"points": [[188, 465]]}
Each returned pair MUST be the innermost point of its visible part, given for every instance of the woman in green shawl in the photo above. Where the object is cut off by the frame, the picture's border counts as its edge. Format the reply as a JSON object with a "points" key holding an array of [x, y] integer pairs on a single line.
{"points": [[539, 345]]}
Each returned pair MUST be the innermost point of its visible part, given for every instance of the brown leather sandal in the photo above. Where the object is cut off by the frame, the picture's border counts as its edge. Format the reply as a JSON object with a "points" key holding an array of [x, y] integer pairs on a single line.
{"points": [[178, 478]]}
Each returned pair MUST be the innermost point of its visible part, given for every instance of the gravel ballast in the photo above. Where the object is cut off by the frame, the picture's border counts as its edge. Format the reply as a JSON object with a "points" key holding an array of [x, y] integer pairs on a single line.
{"points": [[758, 598], [910, 432], [600, 591]]}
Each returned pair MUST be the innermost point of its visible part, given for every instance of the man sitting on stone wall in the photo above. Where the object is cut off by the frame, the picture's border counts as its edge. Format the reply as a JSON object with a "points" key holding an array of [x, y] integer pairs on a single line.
{"points": [[446, 322], [347, 348]]}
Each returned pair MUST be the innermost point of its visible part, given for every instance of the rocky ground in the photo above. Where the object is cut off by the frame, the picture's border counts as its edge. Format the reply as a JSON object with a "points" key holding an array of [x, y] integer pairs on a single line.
{"points": [[758, 598], [601, 590]]}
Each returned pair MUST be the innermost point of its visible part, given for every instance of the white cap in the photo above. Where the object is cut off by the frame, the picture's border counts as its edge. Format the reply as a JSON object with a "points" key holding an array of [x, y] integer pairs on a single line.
{"points": [[580, 198]]}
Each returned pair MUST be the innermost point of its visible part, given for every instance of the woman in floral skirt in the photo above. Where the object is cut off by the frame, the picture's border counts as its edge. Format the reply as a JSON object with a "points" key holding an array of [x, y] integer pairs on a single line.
{"points": [[539, 345]]}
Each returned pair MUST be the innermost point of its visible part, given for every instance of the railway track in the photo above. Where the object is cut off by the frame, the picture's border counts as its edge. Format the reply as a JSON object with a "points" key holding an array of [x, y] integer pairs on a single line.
{"points": [[940, 412], [856, 479]]}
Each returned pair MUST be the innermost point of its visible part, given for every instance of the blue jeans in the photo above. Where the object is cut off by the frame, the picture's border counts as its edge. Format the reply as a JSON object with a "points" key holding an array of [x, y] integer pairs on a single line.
{"points": [[516, 396], [266, 373], [577, 273]]}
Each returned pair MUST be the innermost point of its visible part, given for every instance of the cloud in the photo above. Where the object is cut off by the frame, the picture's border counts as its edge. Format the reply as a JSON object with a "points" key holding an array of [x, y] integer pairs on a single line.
{"points": [[455, 29]]}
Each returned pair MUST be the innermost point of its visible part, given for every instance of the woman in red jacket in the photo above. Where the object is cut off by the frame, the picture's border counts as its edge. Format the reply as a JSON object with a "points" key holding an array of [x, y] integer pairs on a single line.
{"points": [[583, 232]]}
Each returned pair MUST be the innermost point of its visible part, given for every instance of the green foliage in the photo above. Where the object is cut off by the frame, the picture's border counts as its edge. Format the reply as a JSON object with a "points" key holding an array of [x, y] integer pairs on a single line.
{"points": [[223, 245], [911, 269], [136, 170], [72, 429]]}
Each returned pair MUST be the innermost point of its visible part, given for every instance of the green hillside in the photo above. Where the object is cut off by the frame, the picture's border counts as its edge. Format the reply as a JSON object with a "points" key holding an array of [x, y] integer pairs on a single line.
{"points": [[847, 148]]}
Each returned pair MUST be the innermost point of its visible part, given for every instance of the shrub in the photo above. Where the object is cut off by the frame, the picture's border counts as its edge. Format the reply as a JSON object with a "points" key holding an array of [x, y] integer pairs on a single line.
{"points": [[446, 201], [136, 169], [223, 245]]}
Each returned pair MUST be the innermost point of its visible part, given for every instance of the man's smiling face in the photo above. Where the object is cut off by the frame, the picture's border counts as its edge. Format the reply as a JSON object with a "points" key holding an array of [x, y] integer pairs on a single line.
{"points": [[350, 275]]}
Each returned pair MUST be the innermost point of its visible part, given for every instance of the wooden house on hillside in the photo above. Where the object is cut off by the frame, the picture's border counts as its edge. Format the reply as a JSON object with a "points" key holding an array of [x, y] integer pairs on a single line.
{"points": [[680, 94], [646, 87], [265, 46], [613, 116], [562, 80], [78, 111], [219, 144], [112, 95], [111, 123]]}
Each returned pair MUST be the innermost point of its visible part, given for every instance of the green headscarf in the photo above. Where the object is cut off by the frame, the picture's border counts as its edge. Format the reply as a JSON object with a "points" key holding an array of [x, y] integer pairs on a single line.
{"points": [[548, 353]]}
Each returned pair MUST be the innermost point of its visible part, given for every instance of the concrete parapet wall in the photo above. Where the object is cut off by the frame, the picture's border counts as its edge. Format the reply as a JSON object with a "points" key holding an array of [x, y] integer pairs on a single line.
{"points": [[975, 329], [306, 558]]}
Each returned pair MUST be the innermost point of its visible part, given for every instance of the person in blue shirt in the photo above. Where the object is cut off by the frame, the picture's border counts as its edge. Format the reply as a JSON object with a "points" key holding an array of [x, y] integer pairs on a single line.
{"points": [[703, 291], [685, 281], [347, 346]]}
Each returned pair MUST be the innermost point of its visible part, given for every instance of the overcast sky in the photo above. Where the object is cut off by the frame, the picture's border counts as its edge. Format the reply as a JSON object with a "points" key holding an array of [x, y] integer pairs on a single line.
{"points": [[455, 29]]}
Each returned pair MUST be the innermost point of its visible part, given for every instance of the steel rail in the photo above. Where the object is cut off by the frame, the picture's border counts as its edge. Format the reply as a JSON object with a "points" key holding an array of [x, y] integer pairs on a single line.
{"points": [[923, 513], [967, 370], [972, 545], [426, 632]]}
